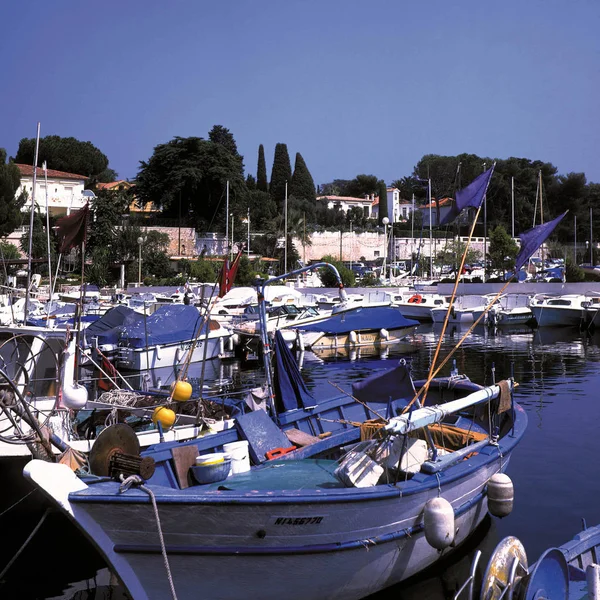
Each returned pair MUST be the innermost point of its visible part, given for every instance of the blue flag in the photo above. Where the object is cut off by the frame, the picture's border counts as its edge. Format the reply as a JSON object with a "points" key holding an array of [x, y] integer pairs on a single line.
{"points": [[532, 239], [470, 196]]}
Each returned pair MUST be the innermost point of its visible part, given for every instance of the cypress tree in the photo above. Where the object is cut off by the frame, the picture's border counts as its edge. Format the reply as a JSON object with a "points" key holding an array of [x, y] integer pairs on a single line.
{"points": [[302, 185], [261, 173], [383, 204], [282, 172]]}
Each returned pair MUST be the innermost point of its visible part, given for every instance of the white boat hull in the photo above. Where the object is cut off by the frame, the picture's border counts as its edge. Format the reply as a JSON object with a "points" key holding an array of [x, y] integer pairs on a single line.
{"points": [[559, 316]]}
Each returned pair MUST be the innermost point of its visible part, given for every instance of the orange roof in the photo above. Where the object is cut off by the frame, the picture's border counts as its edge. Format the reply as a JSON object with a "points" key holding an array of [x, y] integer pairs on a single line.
{"points": [[114, 184], [434, 204], [27, 171]]}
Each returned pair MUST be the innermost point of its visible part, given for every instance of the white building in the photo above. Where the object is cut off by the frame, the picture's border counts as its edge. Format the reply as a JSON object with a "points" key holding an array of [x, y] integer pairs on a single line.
{"points": [[65, 190], [345, 203]]}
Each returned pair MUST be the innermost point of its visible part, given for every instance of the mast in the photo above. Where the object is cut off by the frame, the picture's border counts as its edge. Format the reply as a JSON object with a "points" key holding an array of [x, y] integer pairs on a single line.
{"points": [[512, 201], [248, 244], [430, 231], [484, 234], [412, 235], [227, 220], [575, 232], [45, 167], [591, 241], [285, 231], [35, 162]]}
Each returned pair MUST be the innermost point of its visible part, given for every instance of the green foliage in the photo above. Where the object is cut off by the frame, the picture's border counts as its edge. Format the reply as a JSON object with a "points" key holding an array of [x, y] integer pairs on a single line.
{"points": [[452, 252], [383, 203], [222, 136], [64, 154], [10, 207], [8, 252], [187, 177], [250, 182], [99, 271], [39, 244], [328, 278], [369, 280], [502, 250], [261, 171], [246, 273], [107, 176], [263, 211], [361, 186], [106, 219], [281, 172], [573, 273], [204, 271], [302, 186]]}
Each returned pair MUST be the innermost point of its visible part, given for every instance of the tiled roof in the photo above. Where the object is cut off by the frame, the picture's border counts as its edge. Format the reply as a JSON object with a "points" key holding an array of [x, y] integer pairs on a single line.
{"points": [[114, 184], [27, 171], [442, 202]]}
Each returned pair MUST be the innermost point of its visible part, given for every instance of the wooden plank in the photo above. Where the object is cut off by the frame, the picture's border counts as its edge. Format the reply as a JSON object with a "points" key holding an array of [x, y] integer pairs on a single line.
{"points": [[299, 438], [184, 457]]}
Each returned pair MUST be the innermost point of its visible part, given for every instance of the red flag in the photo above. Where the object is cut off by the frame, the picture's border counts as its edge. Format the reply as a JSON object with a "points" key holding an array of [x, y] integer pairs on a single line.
{"points": [[227, 275], [72, 230]]}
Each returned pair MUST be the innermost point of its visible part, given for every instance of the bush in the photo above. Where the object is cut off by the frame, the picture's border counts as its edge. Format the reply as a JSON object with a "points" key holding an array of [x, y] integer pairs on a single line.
{"points": [[574, 273]]}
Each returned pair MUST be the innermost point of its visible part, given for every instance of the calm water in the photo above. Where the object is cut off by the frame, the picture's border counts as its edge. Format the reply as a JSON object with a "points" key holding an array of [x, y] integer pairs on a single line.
{"points": [[554, 469]]}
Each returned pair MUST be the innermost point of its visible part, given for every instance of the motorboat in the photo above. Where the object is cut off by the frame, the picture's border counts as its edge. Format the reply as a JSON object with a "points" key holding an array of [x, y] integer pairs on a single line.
{"points": [[418, 305], [569, 310]]}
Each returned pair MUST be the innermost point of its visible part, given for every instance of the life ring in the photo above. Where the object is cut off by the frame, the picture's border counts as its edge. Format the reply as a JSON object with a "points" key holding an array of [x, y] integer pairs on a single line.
{"points": [[415, 299]]}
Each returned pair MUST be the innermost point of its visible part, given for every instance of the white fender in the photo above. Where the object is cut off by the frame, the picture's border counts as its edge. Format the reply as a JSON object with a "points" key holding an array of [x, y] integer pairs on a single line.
{"points": [[384, 334], [352, 337], [74, 396], [158, 352], [299, 341]]}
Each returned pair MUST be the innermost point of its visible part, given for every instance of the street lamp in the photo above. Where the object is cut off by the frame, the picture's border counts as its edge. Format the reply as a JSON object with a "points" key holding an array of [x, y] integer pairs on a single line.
{"points": [[140, 241], [385, 222]]}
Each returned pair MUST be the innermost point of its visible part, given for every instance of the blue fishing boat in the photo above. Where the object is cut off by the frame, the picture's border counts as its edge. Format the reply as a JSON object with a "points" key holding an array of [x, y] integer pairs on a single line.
{"points": [[329, 503]]}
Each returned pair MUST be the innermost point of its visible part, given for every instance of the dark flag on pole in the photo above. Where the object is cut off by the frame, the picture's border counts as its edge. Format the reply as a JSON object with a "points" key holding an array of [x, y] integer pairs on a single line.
{"points": [[228, 273], [71, 230], [532, 239], [469, 197]]}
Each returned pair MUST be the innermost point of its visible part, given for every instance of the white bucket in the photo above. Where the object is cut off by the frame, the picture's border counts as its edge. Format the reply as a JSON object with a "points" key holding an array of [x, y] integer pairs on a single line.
{"points": [[240, 458], [210, 459]]}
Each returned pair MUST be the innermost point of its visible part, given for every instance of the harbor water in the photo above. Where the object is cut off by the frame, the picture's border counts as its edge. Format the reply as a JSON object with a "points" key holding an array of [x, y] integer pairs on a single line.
{"points": [[554, 469]]}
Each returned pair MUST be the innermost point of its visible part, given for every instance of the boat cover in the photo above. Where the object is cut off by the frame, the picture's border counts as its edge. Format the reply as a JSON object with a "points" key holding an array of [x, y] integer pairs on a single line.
{"points": [[363, 318], [290, 390], [169, 324], [392, 384]]}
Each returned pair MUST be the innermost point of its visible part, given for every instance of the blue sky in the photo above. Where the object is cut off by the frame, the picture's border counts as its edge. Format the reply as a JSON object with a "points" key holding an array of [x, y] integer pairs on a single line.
{"points": [[355, 87]]}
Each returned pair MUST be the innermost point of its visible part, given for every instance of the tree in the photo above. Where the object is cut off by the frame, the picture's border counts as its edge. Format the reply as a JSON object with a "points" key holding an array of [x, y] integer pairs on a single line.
{"points": [[10, 207], [383, 203], [361, 186], [280, 174], [8, 252], [263, 211], [187, 177], [452, 253], [107, 211], [302, 185], [107, 176], [261, 172], [502, 250], [64, 154], [222, 136], [250, 182], [328, 277]]}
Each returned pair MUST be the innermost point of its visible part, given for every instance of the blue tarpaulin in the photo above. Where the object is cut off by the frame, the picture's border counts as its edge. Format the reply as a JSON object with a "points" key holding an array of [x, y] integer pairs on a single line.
{"points": [[167, 325], [365, 318]]}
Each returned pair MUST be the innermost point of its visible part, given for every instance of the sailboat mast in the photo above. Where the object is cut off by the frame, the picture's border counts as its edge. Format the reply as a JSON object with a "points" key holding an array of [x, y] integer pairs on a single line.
{"points": [[430, 230], [227, 220], [541, 213], [35, 162], [512, 202], [591, 241], [45, 166], [285, 227]]}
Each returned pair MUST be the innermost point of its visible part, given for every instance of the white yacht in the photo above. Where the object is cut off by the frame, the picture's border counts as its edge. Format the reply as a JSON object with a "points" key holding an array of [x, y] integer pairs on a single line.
{"points": [[569, 310]]}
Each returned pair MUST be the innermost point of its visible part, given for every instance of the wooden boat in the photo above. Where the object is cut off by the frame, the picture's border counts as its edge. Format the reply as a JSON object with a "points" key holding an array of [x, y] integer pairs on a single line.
{"points": [[300, 523]]}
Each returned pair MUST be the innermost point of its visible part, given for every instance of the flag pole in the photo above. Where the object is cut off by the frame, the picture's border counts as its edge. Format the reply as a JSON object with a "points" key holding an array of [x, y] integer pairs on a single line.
{"points": [[35, 162], [430, 231]]}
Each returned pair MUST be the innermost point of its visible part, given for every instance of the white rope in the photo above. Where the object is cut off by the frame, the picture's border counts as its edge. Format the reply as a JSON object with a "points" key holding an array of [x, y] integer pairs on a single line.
{"points": [[137, 480], [120, 397]]}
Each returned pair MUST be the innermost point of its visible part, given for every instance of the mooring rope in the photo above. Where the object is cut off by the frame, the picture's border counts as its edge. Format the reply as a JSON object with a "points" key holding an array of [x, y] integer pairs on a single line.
{"points": [[138, 481]]}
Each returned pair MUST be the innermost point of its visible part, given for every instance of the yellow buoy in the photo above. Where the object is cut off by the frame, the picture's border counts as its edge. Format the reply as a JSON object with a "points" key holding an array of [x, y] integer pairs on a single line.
{"points": [[181, 390], [164, 415]]}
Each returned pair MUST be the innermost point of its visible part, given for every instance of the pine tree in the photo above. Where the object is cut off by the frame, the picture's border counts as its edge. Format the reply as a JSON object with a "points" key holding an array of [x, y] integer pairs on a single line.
{"points": [[383, 204], [261, 173], [302, 185], [282, 172]]}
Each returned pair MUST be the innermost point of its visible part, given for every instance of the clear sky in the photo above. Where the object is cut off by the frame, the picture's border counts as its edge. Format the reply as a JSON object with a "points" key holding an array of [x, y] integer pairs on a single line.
{"points": [[354, 86]]}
